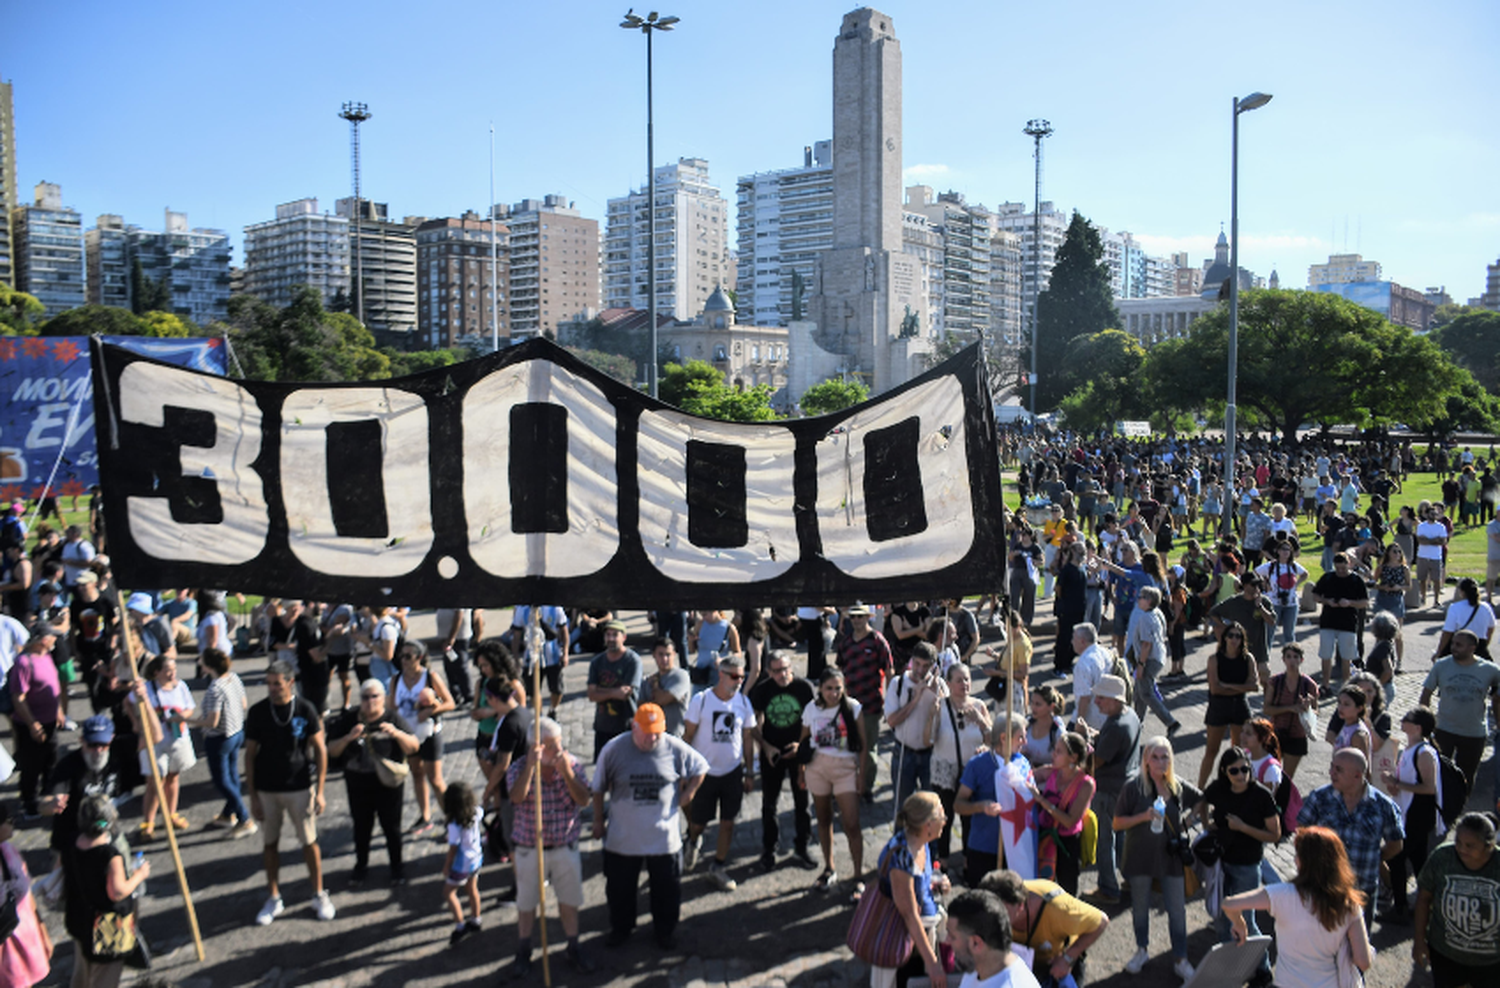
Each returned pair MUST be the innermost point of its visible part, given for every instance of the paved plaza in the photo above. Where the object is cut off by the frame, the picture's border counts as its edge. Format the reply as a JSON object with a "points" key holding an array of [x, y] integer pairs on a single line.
{"points": [[774, 930]]}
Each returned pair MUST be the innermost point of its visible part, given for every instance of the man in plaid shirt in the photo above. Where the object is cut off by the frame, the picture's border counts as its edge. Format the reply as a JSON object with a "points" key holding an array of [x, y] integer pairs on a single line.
{"points": [[865, 657], [1366, 819], [564, 784]]}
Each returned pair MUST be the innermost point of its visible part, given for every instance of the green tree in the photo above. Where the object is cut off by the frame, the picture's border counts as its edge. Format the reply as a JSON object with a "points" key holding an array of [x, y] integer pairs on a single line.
{"points": [[1306, 357], [86, 320], [833, 395], [1446, 313], [418, 361], [1473, 340], [1110, 365], [620, 368], [340, 301], [18, 312], [699, 389], [676, 380], [1077, 302], [302, 342], [149, 294], [157, 323]]}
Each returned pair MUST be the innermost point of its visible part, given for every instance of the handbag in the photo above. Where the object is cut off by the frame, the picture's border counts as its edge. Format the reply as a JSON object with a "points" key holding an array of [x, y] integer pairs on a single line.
{"points": [[1349, 976], [67, 672], [878, 934], [391, 773], [114, 936]]}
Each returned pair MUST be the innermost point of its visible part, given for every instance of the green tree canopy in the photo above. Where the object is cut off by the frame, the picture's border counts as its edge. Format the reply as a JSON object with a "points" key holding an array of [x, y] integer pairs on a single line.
{"points": [[18, 312], [620, 368], [1078, 301], [1473, 340], [833, 395], [167, 324], [1307, 357], [699, 389], [86, 320], [1110, 366], [302, 342]]}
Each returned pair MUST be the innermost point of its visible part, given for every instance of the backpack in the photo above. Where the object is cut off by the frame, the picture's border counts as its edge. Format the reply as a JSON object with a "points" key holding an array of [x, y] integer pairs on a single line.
{"points": [[1288, 799], [1088, 850], [12, 531], [1453, 788]]}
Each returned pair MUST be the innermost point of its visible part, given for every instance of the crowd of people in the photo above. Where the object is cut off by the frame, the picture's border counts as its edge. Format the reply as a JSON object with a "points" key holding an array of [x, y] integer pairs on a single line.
{"points": [[1043, 778]]}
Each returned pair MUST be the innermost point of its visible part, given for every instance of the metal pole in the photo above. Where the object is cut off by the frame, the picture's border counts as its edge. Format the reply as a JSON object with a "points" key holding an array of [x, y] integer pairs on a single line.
{"points": [[494, 254], [650, 220], [1036, 272], [1231, 496], [534, 649]]}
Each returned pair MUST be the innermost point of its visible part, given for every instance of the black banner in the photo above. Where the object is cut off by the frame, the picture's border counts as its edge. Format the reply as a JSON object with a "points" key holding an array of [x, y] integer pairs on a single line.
{"points": [[527, 476]]}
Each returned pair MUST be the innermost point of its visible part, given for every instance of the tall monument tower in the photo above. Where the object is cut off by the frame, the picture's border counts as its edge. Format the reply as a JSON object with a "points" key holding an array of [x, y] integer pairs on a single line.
{"points": [[865, 288]]}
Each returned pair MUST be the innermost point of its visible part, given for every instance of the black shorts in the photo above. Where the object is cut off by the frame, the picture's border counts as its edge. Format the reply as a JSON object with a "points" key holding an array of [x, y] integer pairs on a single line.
{"points": [[431, 750], [482, 748], [341, 663], [719, 797], [1293, 746], [1226, 711], [554, 677]]}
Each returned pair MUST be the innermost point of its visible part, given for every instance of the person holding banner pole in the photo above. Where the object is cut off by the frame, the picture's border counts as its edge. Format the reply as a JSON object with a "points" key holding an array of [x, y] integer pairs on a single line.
{"points": [[149, 734]]}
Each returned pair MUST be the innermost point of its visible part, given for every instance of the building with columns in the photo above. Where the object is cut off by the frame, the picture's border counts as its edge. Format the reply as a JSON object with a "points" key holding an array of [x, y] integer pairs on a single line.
{"points": [[748, 356]]}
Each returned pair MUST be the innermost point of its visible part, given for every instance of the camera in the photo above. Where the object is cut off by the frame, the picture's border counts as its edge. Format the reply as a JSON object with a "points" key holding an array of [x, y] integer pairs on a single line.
{"points": [[1180, 847]]}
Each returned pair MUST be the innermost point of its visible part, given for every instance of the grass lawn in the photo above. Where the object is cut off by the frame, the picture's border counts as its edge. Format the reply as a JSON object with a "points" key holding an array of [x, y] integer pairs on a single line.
{"points": [[1466, 551]]}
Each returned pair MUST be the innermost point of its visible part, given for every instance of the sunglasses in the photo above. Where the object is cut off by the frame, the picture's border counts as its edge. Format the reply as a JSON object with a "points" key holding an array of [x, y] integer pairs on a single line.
{"points": [[1238, 770], [776, 669], [1234, 634], [730, 675]]}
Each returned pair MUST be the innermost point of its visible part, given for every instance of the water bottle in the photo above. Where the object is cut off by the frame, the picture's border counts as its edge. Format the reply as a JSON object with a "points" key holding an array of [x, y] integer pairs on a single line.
{"points": [[1158, 814], [140, 859]]}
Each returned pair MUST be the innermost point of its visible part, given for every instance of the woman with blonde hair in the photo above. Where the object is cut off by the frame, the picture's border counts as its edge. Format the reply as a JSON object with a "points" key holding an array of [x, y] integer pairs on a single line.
{"points": [[906, 876], [1153, 815], [1315, 913]]}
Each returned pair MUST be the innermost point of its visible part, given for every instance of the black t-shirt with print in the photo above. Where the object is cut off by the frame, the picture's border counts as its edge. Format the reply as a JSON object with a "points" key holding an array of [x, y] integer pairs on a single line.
{"points": [[283, 761], [781, 708]]}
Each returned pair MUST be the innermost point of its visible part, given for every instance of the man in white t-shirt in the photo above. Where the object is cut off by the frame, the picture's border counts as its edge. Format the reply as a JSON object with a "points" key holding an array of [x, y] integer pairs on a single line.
{"points": [[979, 933], [718, 725], [911, 703], [1092, 663], [1432, 536]]}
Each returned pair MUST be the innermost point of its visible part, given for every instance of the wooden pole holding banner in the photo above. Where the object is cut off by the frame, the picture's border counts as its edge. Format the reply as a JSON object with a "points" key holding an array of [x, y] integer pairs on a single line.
{"points": [[150, 738], [534, 648]]}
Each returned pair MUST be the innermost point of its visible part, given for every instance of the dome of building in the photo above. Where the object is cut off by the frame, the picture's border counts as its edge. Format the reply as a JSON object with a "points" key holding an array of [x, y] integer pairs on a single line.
{"points": [[718, 301], [1217, 272]]}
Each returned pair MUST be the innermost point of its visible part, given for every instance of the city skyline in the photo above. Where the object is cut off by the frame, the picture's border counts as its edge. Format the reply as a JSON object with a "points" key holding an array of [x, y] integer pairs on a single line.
{"points": [[1372, 144]]}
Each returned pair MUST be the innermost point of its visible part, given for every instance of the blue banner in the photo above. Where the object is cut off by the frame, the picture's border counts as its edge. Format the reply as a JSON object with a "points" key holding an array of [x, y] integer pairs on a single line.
{"points": [[47, 408]]}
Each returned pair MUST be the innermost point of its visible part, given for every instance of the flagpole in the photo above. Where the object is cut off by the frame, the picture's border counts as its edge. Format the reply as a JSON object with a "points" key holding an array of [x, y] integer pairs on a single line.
{"points": [[534, 653], [150, 739]]}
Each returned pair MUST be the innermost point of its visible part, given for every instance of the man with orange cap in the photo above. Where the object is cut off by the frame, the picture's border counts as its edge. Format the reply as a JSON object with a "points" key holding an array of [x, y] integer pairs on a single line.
{"points": [[650, 776]]}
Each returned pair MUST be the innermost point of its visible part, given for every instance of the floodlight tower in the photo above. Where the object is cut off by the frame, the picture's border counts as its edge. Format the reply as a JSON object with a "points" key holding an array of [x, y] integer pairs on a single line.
{"points": [[356, 114], [1036, 130]]}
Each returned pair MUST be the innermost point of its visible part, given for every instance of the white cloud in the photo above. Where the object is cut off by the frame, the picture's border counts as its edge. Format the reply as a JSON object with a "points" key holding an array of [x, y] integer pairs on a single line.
{"points": [[925, 171]]}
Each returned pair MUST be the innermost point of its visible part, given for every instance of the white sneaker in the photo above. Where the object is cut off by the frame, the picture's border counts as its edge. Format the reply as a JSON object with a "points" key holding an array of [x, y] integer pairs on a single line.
{"points": [[274, 907], [721, 878], [1183, 969], [1137, 962], [323, 906], [690, 854]]}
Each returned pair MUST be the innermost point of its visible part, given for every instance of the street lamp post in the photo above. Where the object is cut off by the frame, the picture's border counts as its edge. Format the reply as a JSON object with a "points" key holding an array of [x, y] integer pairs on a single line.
{"points": [[1231, 497], [1036, 130], [646, 25]]}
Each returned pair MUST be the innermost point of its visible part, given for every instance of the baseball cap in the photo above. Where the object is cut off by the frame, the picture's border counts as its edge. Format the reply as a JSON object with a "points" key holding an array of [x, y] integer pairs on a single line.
{"points": [[140, 603], [649, 718], [614, 626], [16, 508], [87, 576], [98, 729], [41, 630]]}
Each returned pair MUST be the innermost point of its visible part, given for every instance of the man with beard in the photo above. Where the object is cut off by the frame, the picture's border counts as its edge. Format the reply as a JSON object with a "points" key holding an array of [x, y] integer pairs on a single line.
{"points": [[979, 933], [79, 774]]}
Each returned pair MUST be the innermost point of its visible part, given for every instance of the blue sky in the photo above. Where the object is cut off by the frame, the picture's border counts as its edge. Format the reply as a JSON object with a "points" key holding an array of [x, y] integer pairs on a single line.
{"points": [[1380, 139]]}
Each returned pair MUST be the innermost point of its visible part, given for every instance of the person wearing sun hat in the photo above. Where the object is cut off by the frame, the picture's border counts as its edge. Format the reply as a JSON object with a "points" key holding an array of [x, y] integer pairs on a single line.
{"points": [[650, 776]]}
